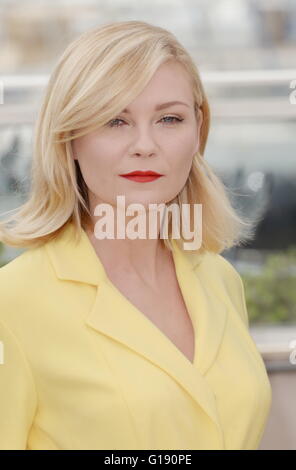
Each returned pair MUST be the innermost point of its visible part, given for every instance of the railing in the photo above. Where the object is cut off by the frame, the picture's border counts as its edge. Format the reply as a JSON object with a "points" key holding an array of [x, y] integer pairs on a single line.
{"points": [[271, 107]]}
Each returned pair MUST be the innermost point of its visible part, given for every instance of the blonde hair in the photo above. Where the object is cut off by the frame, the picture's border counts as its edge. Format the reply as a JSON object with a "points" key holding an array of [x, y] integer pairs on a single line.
{"points": [[96, 77]]}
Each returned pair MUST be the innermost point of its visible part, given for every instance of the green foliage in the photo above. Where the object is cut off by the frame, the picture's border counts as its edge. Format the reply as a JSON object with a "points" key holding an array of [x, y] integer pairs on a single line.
{"points": [[271, 296]]}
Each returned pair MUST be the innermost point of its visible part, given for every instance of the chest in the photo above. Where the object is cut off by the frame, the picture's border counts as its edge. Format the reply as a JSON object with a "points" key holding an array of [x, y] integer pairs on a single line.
{"points": [[165, 308]]}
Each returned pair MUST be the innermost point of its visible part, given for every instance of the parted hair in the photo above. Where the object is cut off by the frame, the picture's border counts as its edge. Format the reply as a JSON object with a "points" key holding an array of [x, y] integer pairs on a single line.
{"points": [[97, 76]]}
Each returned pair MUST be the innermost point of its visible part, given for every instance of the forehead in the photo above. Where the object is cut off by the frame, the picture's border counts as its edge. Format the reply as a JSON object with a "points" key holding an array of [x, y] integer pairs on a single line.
{"points": [[164, 105], [169, 86]]}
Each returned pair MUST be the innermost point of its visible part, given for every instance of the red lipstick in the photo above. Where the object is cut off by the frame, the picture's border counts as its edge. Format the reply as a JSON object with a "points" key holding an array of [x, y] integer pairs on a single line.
{"points": [[142, 176]]}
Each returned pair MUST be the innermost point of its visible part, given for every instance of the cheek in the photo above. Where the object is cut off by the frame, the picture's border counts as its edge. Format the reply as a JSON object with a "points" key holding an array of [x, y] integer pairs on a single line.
{"points": [[96, 160], [181, 156]]}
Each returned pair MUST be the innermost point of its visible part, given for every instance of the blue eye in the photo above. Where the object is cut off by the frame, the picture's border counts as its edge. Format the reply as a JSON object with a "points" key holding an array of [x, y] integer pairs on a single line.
{"points": [[173, 117], [176, 120]]}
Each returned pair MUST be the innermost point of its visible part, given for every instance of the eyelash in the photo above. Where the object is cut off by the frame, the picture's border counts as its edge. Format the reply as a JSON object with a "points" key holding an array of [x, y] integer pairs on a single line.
{"points": [[118, 119]]}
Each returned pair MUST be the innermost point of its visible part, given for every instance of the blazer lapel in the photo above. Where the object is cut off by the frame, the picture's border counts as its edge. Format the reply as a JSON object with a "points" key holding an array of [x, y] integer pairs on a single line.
{"points": [[113, 315]]}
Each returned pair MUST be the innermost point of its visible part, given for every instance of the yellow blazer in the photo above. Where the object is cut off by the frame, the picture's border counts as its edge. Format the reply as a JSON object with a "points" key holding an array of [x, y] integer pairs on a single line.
{"points": [[83, 368]]}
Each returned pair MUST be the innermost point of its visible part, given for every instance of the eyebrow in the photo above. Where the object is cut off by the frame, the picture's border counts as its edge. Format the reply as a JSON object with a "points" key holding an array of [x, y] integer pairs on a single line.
{"points": [[162, 105]]}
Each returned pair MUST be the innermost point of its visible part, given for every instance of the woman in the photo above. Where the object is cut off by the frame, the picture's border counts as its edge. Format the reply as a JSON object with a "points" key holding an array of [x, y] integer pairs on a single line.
{"points": [[124, 342]]}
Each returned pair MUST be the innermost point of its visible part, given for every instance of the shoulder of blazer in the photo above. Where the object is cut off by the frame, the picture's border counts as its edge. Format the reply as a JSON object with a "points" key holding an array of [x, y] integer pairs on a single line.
{"points": [[217, 269], [21, 278]]}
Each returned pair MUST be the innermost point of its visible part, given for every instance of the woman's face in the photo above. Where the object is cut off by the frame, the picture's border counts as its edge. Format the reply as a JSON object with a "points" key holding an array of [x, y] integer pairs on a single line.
{"points": [[144, 138]]}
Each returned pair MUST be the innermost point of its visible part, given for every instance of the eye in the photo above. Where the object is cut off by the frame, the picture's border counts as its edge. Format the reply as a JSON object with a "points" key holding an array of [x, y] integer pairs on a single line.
{"points": [[174, 118], [110, 124]]}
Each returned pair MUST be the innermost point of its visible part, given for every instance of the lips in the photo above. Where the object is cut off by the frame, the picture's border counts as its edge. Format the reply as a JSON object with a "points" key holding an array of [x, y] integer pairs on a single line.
{"points": [[141, 173], [142, 176]]}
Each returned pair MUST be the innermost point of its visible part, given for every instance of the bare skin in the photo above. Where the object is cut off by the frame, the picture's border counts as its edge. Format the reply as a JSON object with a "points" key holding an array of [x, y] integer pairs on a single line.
{"points": [[162, 302], [165, 308]]}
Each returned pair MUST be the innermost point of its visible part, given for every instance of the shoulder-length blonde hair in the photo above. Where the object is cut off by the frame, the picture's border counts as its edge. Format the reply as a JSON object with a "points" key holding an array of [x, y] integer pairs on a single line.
{"points": [[96, 77]]}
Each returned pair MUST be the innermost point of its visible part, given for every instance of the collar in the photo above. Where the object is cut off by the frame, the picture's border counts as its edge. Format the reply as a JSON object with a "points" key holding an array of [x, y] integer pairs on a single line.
{"points": [[76, 259]]}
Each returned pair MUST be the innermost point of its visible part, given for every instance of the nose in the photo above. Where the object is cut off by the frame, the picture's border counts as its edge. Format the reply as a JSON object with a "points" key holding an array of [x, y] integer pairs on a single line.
{"points": [[144, 144]]}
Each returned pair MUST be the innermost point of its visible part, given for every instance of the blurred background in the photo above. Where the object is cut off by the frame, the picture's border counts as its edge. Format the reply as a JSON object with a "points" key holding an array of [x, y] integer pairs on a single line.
{"points": [[246, 53]]}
